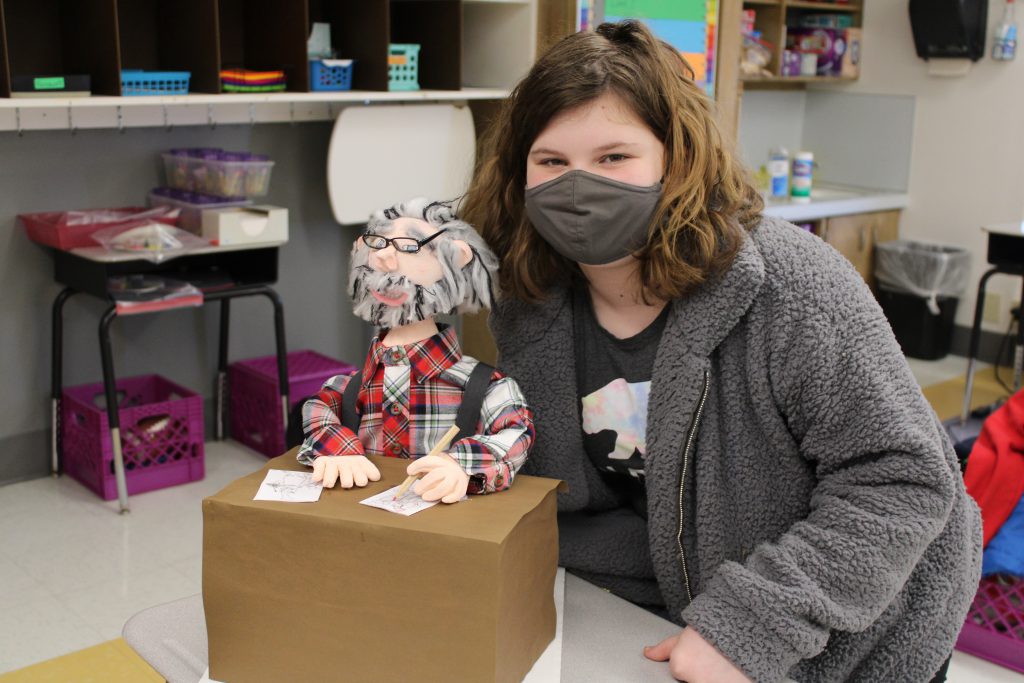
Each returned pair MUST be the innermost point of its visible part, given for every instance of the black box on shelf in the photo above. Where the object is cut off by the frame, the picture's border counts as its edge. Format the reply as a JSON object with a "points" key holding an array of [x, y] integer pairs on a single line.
{"points": [[44, 86]]}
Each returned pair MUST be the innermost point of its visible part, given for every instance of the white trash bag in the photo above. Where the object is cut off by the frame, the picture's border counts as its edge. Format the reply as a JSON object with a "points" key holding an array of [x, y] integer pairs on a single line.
{"points": [[925, 270]]}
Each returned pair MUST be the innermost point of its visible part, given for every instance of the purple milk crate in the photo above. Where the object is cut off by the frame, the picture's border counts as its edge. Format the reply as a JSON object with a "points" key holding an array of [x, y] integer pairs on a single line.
{"points": [[161, 435], [255, 404], [994, 629]]}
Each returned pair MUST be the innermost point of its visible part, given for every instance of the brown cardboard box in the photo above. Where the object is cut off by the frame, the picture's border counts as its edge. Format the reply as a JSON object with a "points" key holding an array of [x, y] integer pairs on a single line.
{"points": [[335, 590], [850, 67]]}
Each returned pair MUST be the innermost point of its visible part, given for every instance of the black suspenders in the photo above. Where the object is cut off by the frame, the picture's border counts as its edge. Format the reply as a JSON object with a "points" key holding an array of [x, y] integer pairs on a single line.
{"points": [[466, 418]]}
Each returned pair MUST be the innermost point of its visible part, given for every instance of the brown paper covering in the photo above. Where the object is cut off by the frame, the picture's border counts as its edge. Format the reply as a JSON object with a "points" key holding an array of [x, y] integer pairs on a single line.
{"points": [[336, 590]]}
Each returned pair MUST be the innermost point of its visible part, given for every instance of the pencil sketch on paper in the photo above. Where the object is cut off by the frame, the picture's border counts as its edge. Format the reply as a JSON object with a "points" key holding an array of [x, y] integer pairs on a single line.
{"points": [[409, 504], [289, 487]]}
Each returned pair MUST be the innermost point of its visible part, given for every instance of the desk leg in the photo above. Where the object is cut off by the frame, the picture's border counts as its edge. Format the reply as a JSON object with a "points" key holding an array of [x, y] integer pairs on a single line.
{"points": [[113, 418], [282, 353], [222, 365], [1018, 353], [57, 379], [979, 306]]}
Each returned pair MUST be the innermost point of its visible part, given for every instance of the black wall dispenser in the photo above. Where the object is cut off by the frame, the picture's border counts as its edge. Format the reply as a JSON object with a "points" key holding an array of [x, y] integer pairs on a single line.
{"points": [[949, 28]]}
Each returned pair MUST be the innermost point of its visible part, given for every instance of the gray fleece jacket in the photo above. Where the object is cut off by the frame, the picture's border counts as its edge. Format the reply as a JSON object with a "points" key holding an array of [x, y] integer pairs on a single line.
{"points": [[834, 539]]}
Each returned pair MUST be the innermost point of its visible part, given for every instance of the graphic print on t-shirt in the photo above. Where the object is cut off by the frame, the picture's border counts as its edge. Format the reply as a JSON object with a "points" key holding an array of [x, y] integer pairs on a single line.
{"points": [[620, 407]]}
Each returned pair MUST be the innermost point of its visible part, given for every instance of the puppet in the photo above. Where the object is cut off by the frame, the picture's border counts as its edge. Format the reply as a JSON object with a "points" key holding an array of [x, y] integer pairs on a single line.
{"points": [[417, 261]]}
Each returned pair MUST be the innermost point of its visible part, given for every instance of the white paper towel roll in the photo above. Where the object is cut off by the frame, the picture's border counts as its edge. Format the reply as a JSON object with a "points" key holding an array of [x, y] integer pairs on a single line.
{"points": [[381, 155]]}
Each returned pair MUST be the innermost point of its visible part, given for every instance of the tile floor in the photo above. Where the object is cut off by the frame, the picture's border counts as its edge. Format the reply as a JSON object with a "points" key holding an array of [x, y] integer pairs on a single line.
{"points": [[72, 570]]}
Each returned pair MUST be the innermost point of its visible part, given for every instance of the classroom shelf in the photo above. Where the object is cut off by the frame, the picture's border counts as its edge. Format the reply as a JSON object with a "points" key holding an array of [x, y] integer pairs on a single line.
{"points": [[474, 43], [754, 82], [826, 6], [74, 113]]}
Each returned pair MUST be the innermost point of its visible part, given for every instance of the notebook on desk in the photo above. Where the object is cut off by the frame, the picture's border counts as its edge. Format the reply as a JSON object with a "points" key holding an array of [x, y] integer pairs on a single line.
{"points": [[134, 294]]}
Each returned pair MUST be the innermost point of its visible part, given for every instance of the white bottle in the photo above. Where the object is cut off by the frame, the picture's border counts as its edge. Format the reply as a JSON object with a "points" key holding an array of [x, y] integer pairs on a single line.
{"points": [[1004, 46], [803, 169]]}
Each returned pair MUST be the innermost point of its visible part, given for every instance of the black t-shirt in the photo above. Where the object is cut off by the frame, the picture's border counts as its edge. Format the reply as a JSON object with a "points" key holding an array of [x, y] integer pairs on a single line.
{"points": [[613, 381]]}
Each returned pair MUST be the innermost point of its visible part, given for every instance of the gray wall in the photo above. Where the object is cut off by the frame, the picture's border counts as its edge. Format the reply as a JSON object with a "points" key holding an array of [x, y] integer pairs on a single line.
{"points": [[55, 170], [858, 139]]}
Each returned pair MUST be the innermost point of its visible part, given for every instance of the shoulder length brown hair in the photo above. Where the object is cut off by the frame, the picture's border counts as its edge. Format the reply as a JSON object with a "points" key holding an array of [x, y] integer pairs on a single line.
{"points": [[707, 202]]}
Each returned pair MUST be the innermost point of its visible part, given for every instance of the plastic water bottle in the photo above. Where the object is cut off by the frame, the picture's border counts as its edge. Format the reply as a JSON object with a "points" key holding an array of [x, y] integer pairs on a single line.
{"points": [[1004, 46], [803, 168], [778, 172]]}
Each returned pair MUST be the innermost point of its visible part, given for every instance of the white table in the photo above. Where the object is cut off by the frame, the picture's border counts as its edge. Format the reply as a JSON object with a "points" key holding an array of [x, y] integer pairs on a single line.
{"points": [[603, 637]]}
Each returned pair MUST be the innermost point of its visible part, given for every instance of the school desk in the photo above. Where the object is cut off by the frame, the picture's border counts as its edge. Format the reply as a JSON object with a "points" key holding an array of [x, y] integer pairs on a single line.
{"points": [[1005, 253], [223, 273]]}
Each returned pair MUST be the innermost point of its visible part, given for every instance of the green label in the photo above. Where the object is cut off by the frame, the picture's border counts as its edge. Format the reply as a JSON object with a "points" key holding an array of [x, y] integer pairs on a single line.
{"points": [[54, 83], [684, 10]]}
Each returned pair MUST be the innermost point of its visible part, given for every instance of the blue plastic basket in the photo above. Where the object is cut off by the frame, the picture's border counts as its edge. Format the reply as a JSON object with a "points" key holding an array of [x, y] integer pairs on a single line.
{"points": [[330, 74], [403, 66], [139, 82]]}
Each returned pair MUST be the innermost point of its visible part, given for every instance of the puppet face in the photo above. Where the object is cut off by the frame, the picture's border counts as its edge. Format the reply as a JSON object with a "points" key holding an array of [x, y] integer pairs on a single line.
{"points": [[391, 287]]}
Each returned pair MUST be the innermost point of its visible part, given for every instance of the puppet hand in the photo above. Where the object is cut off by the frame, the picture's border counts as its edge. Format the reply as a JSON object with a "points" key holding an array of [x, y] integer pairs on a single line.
{"points": [[349, 470], [694, 660], [445, 480]]}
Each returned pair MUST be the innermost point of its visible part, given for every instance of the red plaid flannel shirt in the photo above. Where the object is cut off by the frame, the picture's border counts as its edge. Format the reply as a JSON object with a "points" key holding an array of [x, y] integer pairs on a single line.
{"points": [[409, 426]]}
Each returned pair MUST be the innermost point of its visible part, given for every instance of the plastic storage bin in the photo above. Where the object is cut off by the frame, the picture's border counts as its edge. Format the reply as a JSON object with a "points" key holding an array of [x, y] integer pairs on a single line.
{"points": [[192, 205], [919, 286], [73, 229], [330, 74], [994, 629], [255, 400], [216, 172], [161, 435], [403, 66], [138, 82]]}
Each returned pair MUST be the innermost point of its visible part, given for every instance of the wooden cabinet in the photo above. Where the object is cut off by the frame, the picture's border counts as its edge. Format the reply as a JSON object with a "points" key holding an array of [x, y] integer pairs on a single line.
{"points": [[772, 19], [856, 235], [775, 18], [474, 43]]}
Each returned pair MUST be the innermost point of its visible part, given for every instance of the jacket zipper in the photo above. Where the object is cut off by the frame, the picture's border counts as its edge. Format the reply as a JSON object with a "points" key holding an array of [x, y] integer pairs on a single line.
{"points": [[682, 479]]}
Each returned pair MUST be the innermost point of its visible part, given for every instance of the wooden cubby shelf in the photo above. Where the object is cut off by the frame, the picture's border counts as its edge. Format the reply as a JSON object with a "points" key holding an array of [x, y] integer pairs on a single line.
{"points": [[477, 43], [773, 18], [823, 6]]}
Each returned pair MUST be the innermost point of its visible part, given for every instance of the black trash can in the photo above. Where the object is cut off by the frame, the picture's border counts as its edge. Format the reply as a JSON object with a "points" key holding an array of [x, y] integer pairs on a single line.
{"points": [[921, 333], [919, 288]]}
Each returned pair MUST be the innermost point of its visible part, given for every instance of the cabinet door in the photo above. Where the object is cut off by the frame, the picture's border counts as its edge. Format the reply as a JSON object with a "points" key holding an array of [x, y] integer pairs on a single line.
{"points": [[855, 236]]}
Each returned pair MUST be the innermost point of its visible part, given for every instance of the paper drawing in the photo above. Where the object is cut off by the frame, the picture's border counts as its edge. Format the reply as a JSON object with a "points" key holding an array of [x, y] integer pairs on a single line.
{"points": [[409, 504], [289, 487]]}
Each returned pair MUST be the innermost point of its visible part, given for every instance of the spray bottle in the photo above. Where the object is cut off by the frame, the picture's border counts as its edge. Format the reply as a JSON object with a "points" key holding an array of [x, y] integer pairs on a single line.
{"points": [[1004, 46], [778, 172]]}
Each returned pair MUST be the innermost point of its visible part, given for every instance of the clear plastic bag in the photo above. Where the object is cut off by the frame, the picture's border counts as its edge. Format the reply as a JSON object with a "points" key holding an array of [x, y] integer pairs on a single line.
{"points": [[154, 242], [755, 57], [925, 270]]}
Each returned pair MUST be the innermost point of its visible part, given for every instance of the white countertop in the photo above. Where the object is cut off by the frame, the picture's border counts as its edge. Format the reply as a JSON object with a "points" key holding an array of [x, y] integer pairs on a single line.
{"points": [[833, 200], [1012, 229]]}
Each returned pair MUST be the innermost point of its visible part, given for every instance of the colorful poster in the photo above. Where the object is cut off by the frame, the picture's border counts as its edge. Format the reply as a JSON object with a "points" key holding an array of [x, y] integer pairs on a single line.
{"points": [[690, 26]]}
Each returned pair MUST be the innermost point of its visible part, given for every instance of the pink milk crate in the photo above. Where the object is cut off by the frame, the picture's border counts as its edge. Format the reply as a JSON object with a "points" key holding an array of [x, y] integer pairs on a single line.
{"points": [[994, 629], [161, 435], [255, 405]]}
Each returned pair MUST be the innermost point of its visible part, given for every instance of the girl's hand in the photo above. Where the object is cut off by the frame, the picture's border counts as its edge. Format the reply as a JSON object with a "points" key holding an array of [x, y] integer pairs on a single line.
{"points": [[694, 660]]}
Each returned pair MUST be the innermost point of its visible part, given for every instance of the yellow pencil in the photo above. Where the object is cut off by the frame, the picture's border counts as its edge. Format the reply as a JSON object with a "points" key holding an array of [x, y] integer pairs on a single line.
{"points": [[436, 450]]}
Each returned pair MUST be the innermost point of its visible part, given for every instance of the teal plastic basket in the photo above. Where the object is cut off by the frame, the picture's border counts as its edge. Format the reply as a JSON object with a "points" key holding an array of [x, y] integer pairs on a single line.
{"points": [[403, 66], [138, 82]]}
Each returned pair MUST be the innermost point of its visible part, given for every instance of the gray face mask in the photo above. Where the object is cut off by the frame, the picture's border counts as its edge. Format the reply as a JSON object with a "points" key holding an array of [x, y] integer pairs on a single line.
{"points": [[591, 219]]}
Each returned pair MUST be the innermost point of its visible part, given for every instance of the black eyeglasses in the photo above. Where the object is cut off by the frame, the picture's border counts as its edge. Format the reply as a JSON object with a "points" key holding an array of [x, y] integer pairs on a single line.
{"points": [[406, 245]]}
